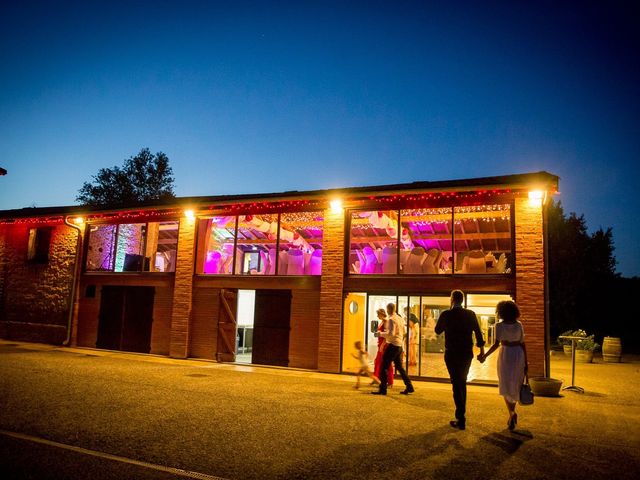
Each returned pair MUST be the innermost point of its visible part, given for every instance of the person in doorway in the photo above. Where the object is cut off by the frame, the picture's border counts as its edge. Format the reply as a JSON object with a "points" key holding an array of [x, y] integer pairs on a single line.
{"points": [[512, 359], [363, 358], [459, 324], [382, 343], [394, 335], [414, 332]]}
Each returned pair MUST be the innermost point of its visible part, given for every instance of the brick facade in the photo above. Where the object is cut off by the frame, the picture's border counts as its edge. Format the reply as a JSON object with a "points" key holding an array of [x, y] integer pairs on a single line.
{"points": [[34, 298], [183, 290], [331, 288], [530, 280]]}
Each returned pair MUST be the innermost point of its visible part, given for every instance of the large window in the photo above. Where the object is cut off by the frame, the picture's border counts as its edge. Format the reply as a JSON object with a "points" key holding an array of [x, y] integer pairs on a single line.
{"points": [[301, 243], [426, 241], [432, 241], [423, 349], [256, 252], [262, 244], [374, 242], [482, 239], [132, 247], [218, 244]]}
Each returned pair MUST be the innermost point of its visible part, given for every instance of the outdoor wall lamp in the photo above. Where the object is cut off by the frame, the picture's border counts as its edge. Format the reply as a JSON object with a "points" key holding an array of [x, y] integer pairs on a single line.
{"points": [[336, 205], [190, 215], [536, 198]]}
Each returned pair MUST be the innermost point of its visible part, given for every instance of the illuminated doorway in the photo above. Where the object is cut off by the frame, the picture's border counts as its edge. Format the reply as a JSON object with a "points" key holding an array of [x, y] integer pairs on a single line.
{"points": [[423, 354], [263, 327]]}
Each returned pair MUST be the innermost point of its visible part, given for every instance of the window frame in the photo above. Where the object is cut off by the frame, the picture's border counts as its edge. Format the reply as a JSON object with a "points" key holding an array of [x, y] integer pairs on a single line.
{"points": [[39, 245], [278, 242], [114, 247], [452, 207]]}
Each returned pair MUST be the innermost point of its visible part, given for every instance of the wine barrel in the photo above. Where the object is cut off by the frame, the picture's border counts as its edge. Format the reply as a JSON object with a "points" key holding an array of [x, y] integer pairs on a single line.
{"points": [[611, 349]]}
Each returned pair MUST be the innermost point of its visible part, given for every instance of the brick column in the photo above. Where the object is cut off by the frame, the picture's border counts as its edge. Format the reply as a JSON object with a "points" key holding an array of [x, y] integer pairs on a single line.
{"points": [[183, 290], [530, 280], [331, 285]]}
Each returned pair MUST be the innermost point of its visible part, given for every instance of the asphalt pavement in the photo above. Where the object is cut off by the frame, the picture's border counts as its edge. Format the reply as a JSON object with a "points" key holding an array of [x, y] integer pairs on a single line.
{"points": [[83, 413]]}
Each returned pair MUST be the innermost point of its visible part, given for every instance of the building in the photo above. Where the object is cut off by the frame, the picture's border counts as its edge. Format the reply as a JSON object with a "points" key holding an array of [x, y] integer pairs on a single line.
{"points": [[289, 279]]}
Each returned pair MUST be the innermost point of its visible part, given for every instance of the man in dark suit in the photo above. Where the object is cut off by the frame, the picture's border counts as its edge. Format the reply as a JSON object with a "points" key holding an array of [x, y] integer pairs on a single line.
{"points": [[458, 324]]}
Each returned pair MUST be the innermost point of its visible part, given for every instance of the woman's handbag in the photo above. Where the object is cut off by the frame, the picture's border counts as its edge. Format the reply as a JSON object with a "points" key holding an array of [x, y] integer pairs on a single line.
{"points": [[526, 395]]}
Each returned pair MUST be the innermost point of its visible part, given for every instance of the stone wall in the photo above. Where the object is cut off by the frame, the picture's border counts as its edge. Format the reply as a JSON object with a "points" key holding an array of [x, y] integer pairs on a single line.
{"points": [[34, 298]]}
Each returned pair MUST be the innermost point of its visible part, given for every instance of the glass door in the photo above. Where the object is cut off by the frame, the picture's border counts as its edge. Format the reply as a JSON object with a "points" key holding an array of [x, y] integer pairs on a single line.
{"points": [[423, 353]]}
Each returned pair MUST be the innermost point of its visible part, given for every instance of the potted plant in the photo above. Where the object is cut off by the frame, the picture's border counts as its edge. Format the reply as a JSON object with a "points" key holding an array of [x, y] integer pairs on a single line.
{"points": [[585, 348], [566, 343], [545, 386]]}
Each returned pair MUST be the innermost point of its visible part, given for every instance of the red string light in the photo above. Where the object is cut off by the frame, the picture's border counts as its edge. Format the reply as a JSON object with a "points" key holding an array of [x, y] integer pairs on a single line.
{"points": [[401, 199]]}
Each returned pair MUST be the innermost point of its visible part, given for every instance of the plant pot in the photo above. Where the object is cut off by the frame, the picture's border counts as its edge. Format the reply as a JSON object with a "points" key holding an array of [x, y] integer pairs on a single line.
{"points": [[545, 386], [567, 349], [611, 349], [584, 356]]}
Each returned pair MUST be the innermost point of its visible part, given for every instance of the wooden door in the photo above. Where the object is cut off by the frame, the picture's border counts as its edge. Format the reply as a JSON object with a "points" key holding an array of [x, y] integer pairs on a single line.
{"points": [[125, 318], [271, 327], [138, 318], [227, 325], [110, 318]]}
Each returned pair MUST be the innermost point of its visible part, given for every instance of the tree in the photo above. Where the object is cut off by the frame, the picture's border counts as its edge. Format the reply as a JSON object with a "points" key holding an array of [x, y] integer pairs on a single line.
{"points": [[583, 283], [145, 177]]}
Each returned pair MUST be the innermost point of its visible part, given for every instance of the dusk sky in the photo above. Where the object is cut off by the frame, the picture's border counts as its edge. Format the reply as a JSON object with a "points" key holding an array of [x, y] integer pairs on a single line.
{"points": [[253, 97]]}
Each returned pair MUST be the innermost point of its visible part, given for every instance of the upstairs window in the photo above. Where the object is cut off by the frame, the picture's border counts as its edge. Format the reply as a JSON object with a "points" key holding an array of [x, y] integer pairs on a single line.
{"points": [[256, 252], [261, 244], [39, 244], [217, 245], [132, 247], [463, 240], [374, 242], [426, 245], [482, 239], [300, 243]]}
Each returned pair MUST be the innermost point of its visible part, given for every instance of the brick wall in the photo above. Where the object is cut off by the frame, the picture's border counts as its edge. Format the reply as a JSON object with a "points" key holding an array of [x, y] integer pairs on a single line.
{"points": [[530, 280], [183, 290], [329, 332], [34, 298]]}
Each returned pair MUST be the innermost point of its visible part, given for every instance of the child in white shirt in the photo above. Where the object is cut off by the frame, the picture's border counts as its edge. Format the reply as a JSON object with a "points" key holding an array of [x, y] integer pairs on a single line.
{"points": [[363, 357]]}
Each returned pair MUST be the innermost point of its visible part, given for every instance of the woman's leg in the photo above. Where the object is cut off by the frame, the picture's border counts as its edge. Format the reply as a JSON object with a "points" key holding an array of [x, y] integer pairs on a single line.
{"points": [[511, 407]]}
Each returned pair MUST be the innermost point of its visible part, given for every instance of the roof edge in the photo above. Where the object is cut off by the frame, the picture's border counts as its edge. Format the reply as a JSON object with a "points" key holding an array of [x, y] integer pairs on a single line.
{"points": [[541, 179]]}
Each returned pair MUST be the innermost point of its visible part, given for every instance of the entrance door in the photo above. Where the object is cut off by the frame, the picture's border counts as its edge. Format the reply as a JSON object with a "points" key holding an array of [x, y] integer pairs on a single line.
{"points": [[110, 318], [271, 327], [226, 347], [125, 318]]}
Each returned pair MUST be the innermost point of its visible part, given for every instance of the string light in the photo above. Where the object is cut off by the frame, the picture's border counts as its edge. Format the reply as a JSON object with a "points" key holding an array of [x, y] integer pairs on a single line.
{"points": [[468, 199]]}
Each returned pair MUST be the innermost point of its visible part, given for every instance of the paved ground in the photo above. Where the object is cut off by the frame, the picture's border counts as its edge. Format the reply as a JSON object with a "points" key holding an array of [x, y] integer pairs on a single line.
{"points": [[243, 422]]}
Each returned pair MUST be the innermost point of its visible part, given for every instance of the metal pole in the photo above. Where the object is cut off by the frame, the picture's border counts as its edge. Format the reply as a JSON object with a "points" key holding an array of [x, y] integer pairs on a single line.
{"points": [[76, 274], [573, 362]]}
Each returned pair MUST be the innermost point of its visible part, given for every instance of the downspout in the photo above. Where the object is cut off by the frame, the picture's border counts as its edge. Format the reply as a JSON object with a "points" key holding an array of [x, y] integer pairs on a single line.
{"points": [[547, 322], [76, 267]]}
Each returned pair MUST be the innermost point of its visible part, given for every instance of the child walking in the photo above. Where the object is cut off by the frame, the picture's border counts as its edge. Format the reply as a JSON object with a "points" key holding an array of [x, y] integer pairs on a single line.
{"points": [[363, 357]]}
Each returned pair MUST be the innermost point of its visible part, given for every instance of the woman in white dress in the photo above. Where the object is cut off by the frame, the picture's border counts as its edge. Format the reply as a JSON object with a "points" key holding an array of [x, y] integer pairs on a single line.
{"points": [[512, 359]]}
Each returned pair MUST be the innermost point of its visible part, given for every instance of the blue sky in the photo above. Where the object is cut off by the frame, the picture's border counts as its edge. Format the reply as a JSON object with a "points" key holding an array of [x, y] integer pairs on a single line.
{"points": [[250, 97]]}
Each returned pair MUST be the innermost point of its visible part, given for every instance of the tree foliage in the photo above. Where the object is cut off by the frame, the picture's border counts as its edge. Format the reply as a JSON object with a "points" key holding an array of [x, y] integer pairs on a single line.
{"points": [[582, 277], [144, 177]]}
